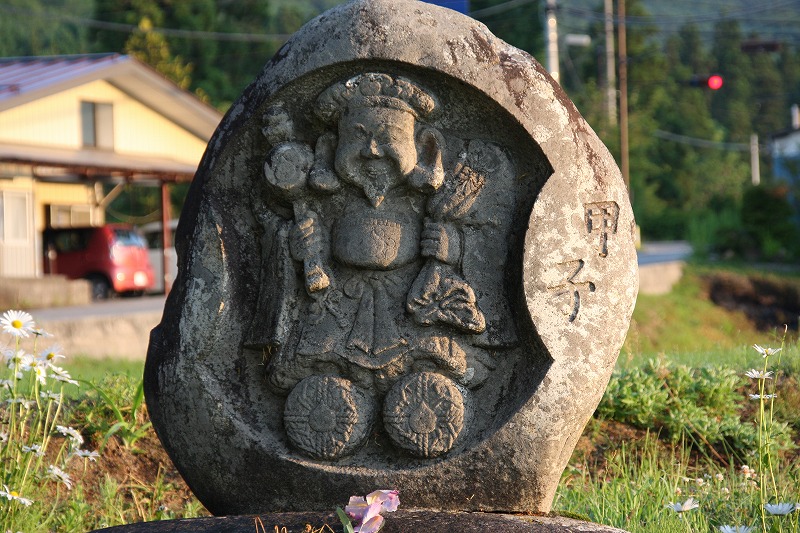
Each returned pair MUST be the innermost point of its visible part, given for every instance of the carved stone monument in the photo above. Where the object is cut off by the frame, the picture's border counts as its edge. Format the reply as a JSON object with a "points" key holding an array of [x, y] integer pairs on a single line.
{"points": [[405, 262]]}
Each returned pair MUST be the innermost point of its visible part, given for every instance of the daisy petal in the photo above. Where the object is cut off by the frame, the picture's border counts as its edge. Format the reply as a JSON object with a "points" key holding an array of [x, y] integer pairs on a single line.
{"points": [[779, 508]]}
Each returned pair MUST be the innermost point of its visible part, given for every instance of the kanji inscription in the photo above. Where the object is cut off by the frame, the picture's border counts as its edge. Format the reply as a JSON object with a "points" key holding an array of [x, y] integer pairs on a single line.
{"points": [[572, 288], [601, 218]]}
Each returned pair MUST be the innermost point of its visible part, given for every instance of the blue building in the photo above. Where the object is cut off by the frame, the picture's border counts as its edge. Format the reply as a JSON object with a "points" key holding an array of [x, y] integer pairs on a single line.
{"points": [[462, 6], [786, 156]]}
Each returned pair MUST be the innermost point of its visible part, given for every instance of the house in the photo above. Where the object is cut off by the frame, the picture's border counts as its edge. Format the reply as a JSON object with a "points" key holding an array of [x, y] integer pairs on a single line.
{"points": [[69, 124], [786, 156], [785, 152]]}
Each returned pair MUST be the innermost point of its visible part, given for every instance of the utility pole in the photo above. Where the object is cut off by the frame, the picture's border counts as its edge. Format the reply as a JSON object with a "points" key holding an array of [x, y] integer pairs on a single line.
{"points": [[611, 65], [552, 39], [755, 168], [623, 95], [166, 236]]}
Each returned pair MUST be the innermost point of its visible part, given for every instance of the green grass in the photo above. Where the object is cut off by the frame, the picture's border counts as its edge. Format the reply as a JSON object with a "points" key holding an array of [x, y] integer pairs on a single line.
{"points": [[686, 327], [89, 369], [92, 370], [639, 480]]}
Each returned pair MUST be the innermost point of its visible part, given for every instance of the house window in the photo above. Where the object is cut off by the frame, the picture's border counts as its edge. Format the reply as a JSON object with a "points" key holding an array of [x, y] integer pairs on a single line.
{"points": [[13, 217], [66, 216], [97, 125]]}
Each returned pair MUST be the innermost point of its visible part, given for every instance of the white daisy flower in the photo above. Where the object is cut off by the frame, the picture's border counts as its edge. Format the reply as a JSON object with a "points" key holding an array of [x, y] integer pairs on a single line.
{"points": [[12, 495], [735, 529], [40, 332], [86, 454], [59, 374], [6, 384], [38, 368], [47, 395], [52, 353], [688, 505], [779, 508], [59, 475], [72, 433], [17, 323], [27, 404], [700, 481], [719, 477], [764, 396], [766, 352], [759, 374], [19, 358], [35, 449]]}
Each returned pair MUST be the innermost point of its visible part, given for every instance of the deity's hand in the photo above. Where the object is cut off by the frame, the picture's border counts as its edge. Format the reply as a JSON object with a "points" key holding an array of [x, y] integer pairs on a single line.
{"points": [[305, 238], [442, 241]]}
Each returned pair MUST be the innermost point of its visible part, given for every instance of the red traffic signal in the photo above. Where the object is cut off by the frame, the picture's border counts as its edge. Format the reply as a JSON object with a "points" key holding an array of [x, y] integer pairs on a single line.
{"points": [[709, 81]]}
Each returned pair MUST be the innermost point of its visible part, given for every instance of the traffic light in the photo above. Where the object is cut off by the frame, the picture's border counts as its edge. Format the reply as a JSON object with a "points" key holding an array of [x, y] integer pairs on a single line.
{"points": [[706, 81]]}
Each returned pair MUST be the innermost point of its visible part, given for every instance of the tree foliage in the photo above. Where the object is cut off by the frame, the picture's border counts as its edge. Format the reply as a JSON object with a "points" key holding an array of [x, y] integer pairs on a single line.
{"points": [[32, 27], [520, 26], [689, 153], [150, 47]]}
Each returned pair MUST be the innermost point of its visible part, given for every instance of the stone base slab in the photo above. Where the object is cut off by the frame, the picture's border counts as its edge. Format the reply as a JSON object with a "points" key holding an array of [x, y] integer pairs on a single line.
{"points": [[398, 522]]}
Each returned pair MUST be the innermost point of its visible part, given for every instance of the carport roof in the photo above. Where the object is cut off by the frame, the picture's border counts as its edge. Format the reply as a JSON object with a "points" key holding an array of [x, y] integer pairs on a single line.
{"points": [[56, 164]]}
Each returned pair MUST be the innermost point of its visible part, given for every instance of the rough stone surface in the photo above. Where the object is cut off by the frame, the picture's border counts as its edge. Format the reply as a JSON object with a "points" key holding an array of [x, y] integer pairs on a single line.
{"points": [[399, 522], [405, 261]]}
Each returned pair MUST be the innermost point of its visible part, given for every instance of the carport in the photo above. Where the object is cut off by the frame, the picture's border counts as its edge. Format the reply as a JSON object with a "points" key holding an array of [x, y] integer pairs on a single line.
{"points": [[100, 168]]}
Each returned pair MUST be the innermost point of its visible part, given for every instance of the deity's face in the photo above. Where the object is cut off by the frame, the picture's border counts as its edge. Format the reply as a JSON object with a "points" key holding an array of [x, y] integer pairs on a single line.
{"points": [[376, 149]]}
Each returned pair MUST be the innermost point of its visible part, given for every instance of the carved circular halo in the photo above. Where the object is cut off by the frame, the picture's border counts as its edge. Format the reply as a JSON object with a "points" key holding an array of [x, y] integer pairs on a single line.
{"points": [[424, 414], [328, 417]]}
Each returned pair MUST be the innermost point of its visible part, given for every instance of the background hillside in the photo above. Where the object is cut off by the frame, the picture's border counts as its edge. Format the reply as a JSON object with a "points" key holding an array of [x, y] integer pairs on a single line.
{"points": [[769, 19]]}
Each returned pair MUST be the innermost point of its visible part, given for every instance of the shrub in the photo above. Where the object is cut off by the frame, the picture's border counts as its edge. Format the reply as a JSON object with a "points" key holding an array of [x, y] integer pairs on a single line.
{"points": [[701, 404]]}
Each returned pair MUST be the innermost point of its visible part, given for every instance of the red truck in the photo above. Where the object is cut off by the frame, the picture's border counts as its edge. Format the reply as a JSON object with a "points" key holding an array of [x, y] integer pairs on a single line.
{"points": [[112, 257]]}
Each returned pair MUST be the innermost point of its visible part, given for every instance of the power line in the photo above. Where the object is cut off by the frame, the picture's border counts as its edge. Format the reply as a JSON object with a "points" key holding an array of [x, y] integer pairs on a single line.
{"points": [[172, 32], [662, 20], [702, 143]]}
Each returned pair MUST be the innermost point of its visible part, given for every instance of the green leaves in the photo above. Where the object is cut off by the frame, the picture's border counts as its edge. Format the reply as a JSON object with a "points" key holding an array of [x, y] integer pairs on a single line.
{"points": [[703, 404], [346, 524], [119, 414]]}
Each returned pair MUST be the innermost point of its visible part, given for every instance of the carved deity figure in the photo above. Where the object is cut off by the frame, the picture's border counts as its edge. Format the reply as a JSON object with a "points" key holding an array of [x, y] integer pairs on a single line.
{"points": [[389, 321]]}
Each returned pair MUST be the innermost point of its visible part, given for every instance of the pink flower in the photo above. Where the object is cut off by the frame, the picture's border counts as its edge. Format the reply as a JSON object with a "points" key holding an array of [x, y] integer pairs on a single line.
{"points": [[389, 499], [367, 511], [356, 508], [372, 520]]}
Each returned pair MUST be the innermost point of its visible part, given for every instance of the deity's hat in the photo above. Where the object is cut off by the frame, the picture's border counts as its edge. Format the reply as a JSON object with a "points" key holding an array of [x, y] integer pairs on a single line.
{"points": [[374, 90]]}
